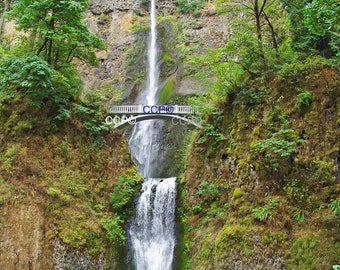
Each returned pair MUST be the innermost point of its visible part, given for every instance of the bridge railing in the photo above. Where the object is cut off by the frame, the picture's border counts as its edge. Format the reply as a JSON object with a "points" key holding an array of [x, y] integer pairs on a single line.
{"points": [[126, 109], [154, 109]]}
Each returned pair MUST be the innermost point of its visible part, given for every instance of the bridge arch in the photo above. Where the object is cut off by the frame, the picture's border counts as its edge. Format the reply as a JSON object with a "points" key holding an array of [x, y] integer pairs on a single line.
{"points": [[123, 121]]}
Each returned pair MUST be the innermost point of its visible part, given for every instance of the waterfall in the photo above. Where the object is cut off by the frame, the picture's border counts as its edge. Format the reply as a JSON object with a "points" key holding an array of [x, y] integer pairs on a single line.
{"points": [[145, 139], [152, 229], [151, 234]]}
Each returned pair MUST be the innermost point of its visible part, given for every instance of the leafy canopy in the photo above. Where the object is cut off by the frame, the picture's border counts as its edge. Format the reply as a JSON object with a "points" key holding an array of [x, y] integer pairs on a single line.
{"points": [[322, 19], [39, 68], [57, 31], [31, 77]]}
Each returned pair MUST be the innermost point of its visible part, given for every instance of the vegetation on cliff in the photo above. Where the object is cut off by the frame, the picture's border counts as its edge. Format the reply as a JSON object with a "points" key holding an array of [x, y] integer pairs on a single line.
{"points": [[68, 175], [262, 178]]}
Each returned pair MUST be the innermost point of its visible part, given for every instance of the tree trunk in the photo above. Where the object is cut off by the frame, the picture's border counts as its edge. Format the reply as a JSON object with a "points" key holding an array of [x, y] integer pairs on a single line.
{"points": [[2, 19], [272, 32], [257, 14]]}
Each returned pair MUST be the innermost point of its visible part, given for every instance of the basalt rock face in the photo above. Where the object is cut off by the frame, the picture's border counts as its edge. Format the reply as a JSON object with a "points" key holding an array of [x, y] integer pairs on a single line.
{"points": [[124, 27], [98, 6]]}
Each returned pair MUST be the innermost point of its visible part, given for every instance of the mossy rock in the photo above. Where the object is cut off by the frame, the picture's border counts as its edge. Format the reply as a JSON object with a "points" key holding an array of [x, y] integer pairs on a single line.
{"points": [[237, 193], [167, 91]]}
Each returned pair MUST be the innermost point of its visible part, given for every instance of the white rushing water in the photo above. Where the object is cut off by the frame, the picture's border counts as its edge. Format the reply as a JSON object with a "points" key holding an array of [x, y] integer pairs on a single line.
{"points": [[152, 228], [144, 141]]}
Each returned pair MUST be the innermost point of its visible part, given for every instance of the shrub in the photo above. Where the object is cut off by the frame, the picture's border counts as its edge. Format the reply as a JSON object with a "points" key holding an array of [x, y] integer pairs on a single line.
{"points": [[334, 205], [280, 144], [32, 77], [187, 6], [266, 212], [207, 191], [114, 229], [304, 99], [125, 191]]}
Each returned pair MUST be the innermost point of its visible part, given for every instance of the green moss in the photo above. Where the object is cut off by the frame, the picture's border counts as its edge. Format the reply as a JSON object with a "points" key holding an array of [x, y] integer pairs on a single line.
{"points": [[313, 252], [182, 261], [231, 237], [6, 191], [237, 193], [166, 91]]}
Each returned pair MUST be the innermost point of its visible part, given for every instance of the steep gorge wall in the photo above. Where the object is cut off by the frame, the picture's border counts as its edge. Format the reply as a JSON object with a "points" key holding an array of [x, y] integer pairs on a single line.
{"points": [[251, 209], [124, 27], [55, 191]]}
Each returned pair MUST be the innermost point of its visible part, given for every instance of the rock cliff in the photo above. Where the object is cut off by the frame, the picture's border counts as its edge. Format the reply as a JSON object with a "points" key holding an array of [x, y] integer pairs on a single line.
{"points": [[123, 25]]}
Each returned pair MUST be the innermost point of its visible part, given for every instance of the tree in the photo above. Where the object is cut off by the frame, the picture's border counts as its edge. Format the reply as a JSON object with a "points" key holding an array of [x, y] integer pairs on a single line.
{"points": [[259, 12], [57, 31], [258, 31], [43, 74], [322, 18], [314, 25]]}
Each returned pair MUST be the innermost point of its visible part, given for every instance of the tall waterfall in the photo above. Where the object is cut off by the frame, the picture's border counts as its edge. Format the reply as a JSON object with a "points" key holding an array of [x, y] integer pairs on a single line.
{"points": [[152, 228], [145, 139]]}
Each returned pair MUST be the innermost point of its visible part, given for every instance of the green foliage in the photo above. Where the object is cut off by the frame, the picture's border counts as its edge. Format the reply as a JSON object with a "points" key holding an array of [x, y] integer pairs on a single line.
{"points": [[125, 191], [187, 6], [302, 40], [321, 16], [57, 31], [281, 144], [114, 229], [266, 212], [334, 205], [211, 132], [11, 154], [91, 116], [31, 77], [320, 27], [15, 125], [94, 127], [322, 19], [304, 99], [197, 208], [299, 216], [208, 191]]}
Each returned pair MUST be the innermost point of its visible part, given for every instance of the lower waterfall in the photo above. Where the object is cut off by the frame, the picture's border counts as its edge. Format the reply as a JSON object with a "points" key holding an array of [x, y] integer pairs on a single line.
{"points": [[152, 229]]}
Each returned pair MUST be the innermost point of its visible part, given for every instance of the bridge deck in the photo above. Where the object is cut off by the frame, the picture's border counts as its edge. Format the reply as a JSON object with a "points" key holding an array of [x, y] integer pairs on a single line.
{"points": [[153, 109]]}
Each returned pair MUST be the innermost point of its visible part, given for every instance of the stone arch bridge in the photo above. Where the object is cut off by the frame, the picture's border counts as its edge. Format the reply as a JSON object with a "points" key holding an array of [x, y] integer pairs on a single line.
{"points": [[124, 115]]}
